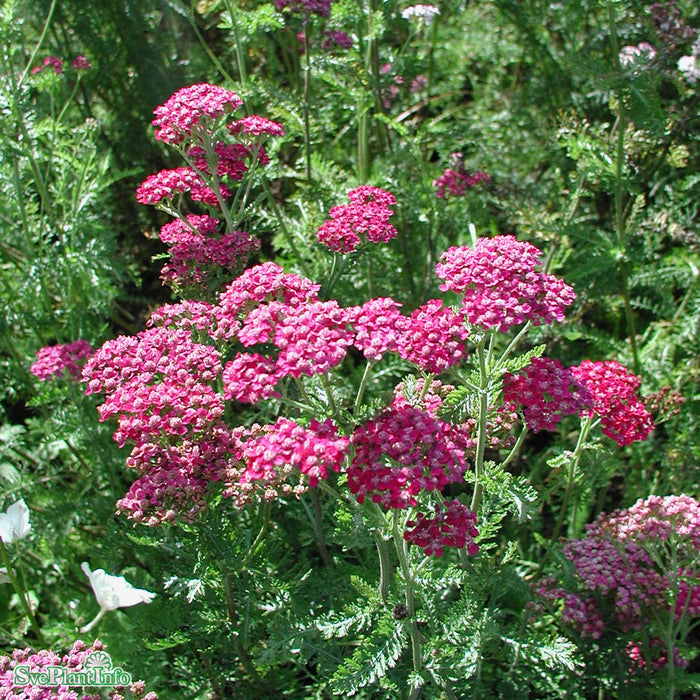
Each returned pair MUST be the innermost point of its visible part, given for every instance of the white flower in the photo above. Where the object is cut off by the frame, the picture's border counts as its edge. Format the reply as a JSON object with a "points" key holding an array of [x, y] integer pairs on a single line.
{"points": [[641, 53], [4, 578], [423, 13], [688, 65], [14, 522], [112, 592]]}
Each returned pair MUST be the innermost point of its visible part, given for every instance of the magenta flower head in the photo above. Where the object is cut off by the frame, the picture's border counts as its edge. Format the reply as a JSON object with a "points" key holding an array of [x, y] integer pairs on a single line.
{"points": [[305, 7], [54, 360], [453, 525], [365, 218], [613, 389], [503, 284], [81, 63], [50, 62], [547, 392], [189, 107]]}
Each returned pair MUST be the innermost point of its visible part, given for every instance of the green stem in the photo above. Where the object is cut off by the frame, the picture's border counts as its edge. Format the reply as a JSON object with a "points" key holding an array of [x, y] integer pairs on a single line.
{"points": [[307, 102], [402, 551], [481, 437], [620, 215], [20, 591], [318, 528], [39, 43], [362, 387], [384, 565]]}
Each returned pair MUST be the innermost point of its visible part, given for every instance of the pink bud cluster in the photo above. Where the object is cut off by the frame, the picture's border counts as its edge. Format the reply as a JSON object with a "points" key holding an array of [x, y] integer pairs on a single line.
{"points": [[641, 563], [198, 253], [336, 39], [547, 391], [367, 215], [453, 183], [166, 184], [50, 62], [54, 360], [613, 390], [73, 661], [453, 525], [502, 283]]}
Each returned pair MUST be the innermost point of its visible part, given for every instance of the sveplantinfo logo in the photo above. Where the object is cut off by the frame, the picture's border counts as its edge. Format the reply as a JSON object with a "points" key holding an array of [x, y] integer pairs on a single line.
{"points": [[97, 671]]}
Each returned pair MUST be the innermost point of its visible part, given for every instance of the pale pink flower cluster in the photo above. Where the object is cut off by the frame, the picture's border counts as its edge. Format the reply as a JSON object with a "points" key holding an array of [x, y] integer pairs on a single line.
{"points": [[502, 283], [453, 525], [402, 452], [54, 360], [547, 391], [197, 252], [365, 218], [190, 107], [629, 562], [73, 661], [640, 55], [613, 390]]}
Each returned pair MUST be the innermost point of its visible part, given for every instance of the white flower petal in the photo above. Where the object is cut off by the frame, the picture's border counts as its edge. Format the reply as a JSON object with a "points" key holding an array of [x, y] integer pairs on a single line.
{"points": [[14, 522], [114, 592]]}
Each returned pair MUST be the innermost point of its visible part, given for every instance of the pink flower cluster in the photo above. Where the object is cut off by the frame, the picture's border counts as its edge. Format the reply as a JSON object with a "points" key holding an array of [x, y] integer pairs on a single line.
{"points": [[286, 447], [305, 7], [613, 388], [166, 184], [502, 283], [402, 452], [454, 183], [630, 561], [191, 107], [74, 661], [257, 126], [434, 338], [453, 525], [52, 62], [54, 360], [197, 253], [547, 392], [367, 215], [335, 40]]}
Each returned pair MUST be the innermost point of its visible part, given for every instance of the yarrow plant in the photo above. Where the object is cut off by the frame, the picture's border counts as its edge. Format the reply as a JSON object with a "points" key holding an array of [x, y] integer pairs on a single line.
{"points": [[259, 392], [57, 360], [636, 574]]}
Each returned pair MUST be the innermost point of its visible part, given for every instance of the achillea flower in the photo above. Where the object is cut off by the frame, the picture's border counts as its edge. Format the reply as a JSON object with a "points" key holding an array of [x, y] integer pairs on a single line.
{"points": [[166, 184], [288, 450], [453, 525], [189, 108], [306, 7], [256, 126], [81, 63], [197, 252], [422, 13], [186, 315], [231, 160], [628, 562], [613, 388], [259, 285], [379, 327], [641, 55], [336, 39], [503, 284], [400, 453], [547, 392], [50, 62], [365, 218], [54, 360], [456, 184], [434, 338], [250, 378]]}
